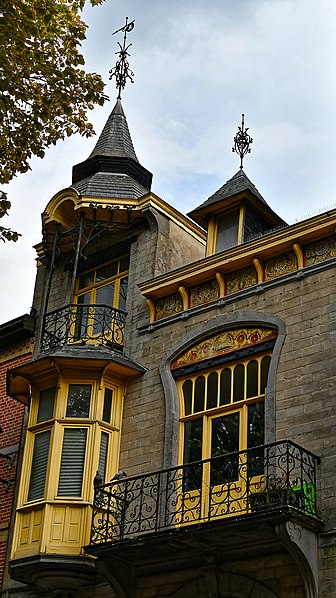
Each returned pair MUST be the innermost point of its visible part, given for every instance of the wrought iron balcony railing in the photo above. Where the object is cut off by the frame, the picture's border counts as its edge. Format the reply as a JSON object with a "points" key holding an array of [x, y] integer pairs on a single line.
{"points": [[84, 324], [259, 480]]}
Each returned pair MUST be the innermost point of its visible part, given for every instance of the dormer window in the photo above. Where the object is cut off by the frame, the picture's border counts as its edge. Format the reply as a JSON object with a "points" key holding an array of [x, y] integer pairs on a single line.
{"points": [[228, 231]]}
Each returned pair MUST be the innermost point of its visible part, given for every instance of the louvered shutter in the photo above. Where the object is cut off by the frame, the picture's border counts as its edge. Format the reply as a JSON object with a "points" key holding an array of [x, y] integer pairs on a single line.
{"points": [[103, 454], [72, 462], [39, 465]]}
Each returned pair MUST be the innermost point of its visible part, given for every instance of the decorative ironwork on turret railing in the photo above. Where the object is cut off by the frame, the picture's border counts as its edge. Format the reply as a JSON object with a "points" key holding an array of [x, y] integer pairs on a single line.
{"points": [[261, 480], [82, 325]]}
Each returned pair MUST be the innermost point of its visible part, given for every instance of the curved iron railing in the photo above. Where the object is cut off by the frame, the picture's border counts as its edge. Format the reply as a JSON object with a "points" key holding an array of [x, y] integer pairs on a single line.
{"points": [[84, 324], [257, 480]]}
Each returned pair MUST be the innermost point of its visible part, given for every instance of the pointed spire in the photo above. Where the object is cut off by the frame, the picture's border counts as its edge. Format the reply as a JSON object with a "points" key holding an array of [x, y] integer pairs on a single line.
{"points": [[115, 140]]}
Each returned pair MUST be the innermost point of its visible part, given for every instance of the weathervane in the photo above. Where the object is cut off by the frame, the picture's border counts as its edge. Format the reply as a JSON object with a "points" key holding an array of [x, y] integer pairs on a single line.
{"points": [[242, 142], [122, 71]]}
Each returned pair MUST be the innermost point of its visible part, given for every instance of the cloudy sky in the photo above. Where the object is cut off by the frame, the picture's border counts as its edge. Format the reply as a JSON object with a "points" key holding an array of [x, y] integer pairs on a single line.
{"points": [[198, 65]]}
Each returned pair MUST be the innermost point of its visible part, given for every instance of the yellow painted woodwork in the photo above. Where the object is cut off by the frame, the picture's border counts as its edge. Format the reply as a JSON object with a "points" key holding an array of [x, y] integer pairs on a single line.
{"points": [[184, 296], [259, 269], [299, 254], [221, 283], [152, 311], [61, 524]]}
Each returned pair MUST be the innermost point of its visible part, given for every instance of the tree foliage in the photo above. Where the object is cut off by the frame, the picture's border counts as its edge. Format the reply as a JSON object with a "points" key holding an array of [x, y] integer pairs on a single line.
{"points": [[44, 90]]}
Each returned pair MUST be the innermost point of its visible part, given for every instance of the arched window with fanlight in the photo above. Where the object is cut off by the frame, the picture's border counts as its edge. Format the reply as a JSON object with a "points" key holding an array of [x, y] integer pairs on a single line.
{"points": [[221, 385]]}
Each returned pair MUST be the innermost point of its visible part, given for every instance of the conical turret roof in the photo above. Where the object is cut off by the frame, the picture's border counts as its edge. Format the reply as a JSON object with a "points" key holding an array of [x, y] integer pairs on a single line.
{"points": [[115, 139], [112, 169]]}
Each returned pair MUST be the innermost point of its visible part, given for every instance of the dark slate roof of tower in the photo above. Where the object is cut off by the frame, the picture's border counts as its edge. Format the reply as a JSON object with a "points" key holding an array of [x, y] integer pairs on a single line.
{"points": [[115, 139], [112, 169], [237, 184], [105, 184]]}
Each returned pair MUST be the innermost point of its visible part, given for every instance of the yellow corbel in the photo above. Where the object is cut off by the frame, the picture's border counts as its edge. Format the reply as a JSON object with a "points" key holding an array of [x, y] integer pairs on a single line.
{"points": [[259, 269], [152, 310], [299, 254], [184, 296], [221, 283]]}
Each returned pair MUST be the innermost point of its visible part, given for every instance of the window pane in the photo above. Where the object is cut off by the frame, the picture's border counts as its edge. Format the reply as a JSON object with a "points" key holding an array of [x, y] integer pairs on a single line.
{"points": [[192, 475], [193, 432], [252, 379], [107, 405], [86, 280], [187, 394], [106, 271], [227, 231], [72, 462], [224, 440], [103, 455], [212, 390], [105, 295], [199, 394], [123, 294], [265, 363], [79, 400], [225, 386], [46, 404], [255, 438], [39, 466], [238, 383]]}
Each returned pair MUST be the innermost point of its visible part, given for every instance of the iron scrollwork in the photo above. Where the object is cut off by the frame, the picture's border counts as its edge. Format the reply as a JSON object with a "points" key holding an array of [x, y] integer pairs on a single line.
{"points": [[84, 324], [258, 480]]}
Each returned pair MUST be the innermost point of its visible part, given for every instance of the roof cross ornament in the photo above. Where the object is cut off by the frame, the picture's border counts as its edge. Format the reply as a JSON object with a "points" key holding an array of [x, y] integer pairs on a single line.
{"points": [[122, 71], [242, 142]]}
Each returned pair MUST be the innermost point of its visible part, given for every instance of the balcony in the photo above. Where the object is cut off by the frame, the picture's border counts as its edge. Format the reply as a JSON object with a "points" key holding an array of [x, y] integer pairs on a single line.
{"points": [[257, 483], [82, 325]]}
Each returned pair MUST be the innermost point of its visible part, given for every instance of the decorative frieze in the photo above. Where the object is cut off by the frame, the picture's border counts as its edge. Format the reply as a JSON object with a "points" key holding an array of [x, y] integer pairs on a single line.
{"points": [[241, 279], [225, 342], [204, 293], [167, 306], [280, 265], [320, 251]]}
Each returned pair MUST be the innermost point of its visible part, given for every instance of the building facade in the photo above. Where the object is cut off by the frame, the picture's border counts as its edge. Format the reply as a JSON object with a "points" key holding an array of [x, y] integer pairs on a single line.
{"points": [[16, 349], [180, 432]]}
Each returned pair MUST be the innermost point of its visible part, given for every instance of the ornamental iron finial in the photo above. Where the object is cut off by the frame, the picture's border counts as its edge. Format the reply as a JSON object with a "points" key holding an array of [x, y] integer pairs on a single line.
{"points": [[242, 142], [122, 71]]}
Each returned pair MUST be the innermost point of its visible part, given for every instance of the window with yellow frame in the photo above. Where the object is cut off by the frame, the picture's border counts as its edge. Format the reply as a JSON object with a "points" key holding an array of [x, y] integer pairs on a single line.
{"points": [[99, 291], [73, 432], [222, 413]]}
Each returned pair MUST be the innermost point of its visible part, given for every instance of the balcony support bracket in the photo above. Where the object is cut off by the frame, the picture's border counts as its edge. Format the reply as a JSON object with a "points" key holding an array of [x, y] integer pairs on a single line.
{"points": [[121, 577], [301, 544]]}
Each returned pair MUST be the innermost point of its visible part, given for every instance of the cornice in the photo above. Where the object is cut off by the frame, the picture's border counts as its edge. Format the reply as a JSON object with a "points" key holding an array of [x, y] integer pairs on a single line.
{"points": [[243, 255]]}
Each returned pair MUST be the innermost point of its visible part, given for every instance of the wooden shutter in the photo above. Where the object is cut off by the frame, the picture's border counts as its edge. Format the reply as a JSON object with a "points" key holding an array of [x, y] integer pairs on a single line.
{"points": [[72, 462], [39, 466], [103, 454]]}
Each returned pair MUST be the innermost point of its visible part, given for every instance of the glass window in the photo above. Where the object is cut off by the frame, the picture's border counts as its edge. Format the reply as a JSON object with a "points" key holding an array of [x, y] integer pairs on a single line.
{"points": [[229, 403], [72, 462], [79, 400], [39, 465], [107, 409], [46, 404], [227, 231]]}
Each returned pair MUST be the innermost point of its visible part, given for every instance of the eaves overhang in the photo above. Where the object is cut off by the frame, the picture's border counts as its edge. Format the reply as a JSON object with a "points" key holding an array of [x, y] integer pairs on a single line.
{"points": [[17, 330], [241, 256], [95, 360], [64, 207]]}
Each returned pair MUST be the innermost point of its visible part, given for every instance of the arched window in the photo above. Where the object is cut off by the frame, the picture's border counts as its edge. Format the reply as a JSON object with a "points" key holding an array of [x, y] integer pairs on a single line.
{"points": [[221, 383]]}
